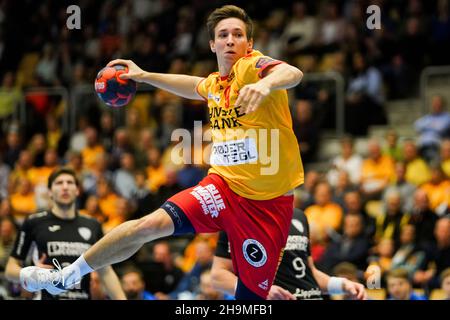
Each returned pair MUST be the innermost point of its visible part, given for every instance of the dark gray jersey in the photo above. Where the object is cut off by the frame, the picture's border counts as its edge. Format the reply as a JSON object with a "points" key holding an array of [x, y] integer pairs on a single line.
{"points": [[293, 273], [63, 239]]}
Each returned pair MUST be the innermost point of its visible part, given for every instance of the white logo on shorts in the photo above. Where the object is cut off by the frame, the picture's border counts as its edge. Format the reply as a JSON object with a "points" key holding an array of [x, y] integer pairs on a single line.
{"points": [[264, 285], [210, 199], [254, 252]]}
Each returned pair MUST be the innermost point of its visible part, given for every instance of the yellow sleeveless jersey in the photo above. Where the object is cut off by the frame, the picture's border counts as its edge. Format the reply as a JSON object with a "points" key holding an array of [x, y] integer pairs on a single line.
{"points": [[257, 153]]}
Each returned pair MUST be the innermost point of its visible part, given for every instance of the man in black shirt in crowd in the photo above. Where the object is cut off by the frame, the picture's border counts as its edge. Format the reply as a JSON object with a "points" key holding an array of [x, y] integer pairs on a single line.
{"points": [[60, 235], [296, 278]]}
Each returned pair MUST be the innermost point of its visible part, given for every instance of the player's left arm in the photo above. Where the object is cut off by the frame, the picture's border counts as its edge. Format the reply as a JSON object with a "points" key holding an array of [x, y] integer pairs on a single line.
{"points": [[111, 282], [276, 77], [326, 283]]}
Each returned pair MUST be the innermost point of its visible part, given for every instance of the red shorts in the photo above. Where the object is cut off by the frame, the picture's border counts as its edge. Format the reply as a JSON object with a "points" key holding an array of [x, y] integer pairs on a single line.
{"points": [[257, 229]]}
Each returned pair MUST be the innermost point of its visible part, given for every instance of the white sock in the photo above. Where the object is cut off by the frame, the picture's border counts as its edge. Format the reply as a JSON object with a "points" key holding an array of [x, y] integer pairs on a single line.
{"points": [[82, 266]]}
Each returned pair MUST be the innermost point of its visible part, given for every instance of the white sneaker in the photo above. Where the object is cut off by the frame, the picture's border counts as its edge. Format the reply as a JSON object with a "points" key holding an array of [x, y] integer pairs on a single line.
{"points": [[35, 278]]}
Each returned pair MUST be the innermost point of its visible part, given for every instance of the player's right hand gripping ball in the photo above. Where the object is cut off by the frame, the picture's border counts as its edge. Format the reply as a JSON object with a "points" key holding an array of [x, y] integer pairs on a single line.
{"points": [[112, 90]]}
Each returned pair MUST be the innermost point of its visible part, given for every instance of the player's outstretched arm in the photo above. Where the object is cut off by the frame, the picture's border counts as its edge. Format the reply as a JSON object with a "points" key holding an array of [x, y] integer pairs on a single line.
{"points": [[179, 84], [111, 283], [222, 275], [337, 285], [281, 76], [225, 280]]}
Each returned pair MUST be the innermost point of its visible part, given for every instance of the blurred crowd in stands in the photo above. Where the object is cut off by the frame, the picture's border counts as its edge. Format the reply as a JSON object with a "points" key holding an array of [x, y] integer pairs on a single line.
{"points": [[387, 208]]}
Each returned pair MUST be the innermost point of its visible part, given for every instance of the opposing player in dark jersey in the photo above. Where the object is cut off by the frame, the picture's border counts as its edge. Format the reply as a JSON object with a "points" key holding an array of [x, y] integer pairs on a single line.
{"points": [[60, 235], [296, 278]]}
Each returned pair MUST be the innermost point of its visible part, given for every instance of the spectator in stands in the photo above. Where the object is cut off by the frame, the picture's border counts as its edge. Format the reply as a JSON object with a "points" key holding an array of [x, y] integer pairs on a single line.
{"points": [[411, 44], [37, 147], [189, 284], [342, 187], [353, 205], [423, 218], [74, 161], [172, 275], [306, 130], [437, 256], [23, 202], [400, 287], [364, 97], [190, 175], [56, 139], [46, 69], [39, 175], [392, 147], [134, 126], [300, 31], [376, 172], [397, 75], [106, 132], [9, 100], [96, 287], [304, 195], [408, 256], [134, 286], [169, 122], [4, 177], [324, 215], [13, 147], [207, 291], [156, 171], [330, 28], [348, 160], [96, 173], [417, 171], [189, 258], [123, 179], [21, 170], [438, 190], [108, 202], [445, 283], [392, 219], [92, 209], [121, 145], [351, 247], [432, 128], [143, 200], [399, 184], [93, 148], [78, 141], [145, 142], [445, 157], [382, 256]]}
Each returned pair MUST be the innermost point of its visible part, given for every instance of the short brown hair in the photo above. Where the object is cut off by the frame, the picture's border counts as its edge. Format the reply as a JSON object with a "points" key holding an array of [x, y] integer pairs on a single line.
{"points": [[225, 12], [56, 173], [399, 273]]}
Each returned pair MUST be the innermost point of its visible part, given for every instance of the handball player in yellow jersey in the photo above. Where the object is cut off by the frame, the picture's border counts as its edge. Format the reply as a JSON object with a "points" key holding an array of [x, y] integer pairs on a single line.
{"points": [[255, 165]]}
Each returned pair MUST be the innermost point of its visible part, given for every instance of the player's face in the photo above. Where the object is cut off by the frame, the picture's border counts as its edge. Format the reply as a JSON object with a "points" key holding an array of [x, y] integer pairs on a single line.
{"points": [[64, 190], [230, 41]]}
